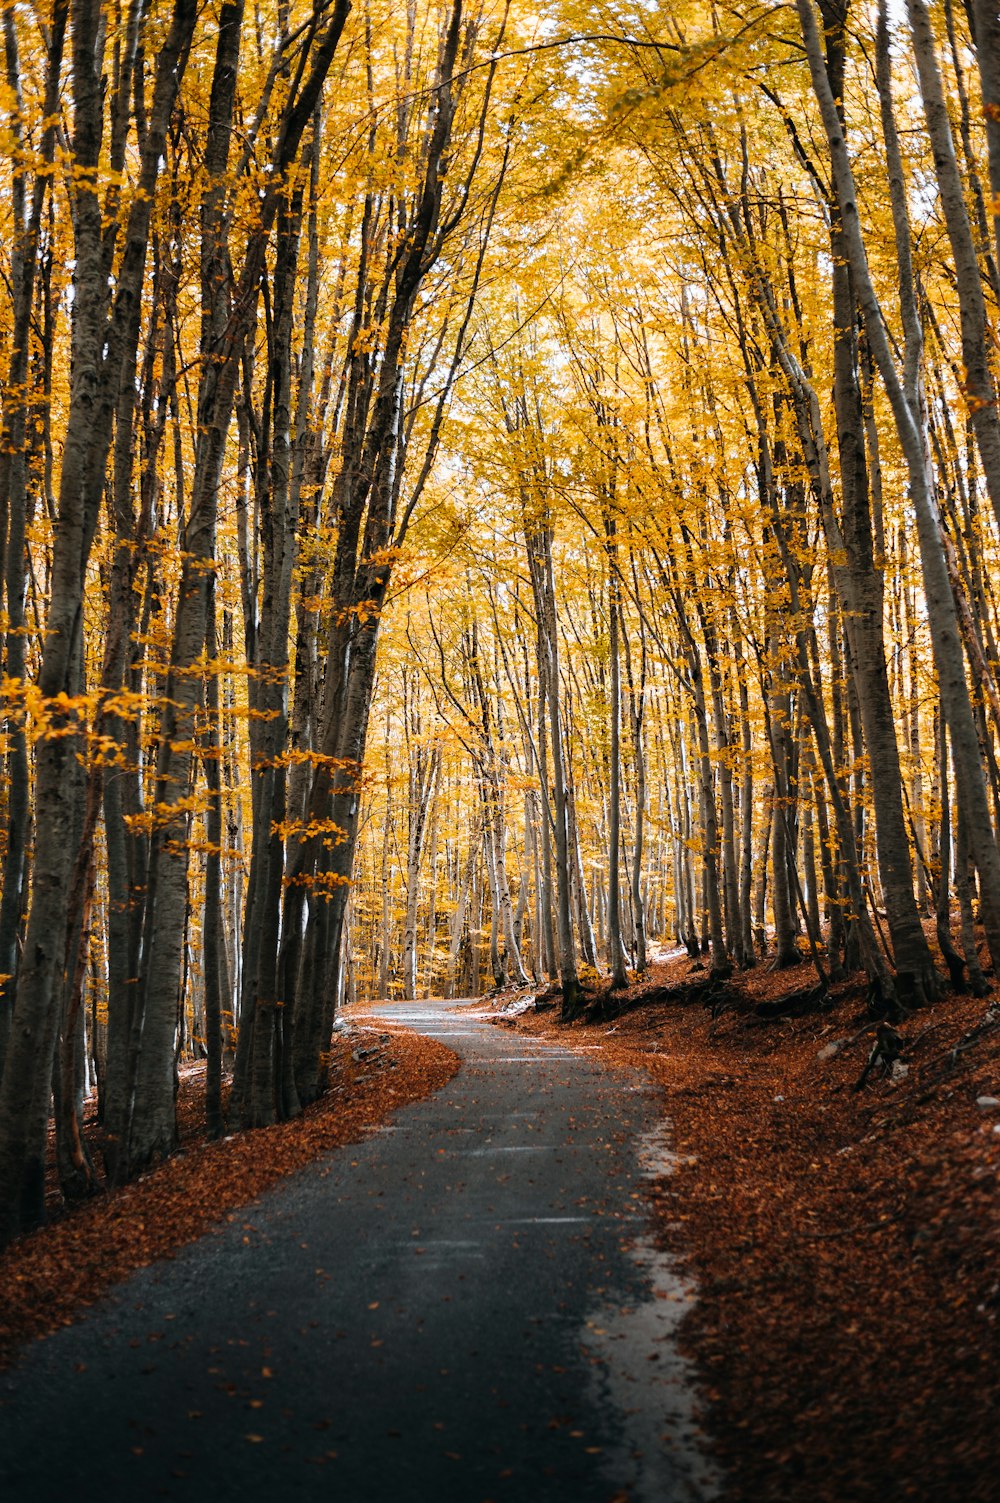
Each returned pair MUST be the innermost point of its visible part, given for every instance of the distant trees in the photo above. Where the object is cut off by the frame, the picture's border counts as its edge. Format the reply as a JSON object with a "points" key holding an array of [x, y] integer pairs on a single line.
{"points": [[778, 458]]}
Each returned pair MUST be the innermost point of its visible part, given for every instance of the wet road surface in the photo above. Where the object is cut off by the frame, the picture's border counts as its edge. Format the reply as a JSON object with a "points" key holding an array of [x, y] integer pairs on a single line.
{"points": [[464, 1308]]}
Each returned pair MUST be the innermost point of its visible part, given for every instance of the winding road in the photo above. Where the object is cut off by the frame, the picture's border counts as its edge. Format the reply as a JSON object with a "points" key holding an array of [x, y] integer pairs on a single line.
{"points": [[463, 1308]]}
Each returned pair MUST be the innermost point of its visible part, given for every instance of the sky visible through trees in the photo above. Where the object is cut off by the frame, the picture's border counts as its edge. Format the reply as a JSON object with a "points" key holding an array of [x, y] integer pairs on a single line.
{"points": [[488, 494]]}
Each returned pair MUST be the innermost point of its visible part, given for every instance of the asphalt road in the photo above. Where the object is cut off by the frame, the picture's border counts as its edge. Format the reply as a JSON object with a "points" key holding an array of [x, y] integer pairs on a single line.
{"points": [[462, 1308]]}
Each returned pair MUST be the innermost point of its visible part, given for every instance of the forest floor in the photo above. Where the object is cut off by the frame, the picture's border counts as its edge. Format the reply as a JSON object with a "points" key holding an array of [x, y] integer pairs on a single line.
{"points": [[845, 1241], [50, 1277]]}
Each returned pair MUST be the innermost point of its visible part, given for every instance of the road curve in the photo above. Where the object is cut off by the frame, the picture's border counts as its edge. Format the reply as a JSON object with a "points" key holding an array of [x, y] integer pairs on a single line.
{"points": [[464, 1308]]}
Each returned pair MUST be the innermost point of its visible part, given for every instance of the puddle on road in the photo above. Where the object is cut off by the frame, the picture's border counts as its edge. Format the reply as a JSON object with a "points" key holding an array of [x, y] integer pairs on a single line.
{"points": [[641, 1376]]}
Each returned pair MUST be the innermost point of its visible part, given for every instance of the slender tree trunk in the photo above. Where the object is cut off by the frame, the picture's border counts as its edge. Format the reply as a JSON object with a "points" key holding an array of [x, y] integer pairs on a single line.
{"points": [[423, 780], [616, 953], [942, 907], [637, 698], [746, 818], [538, 539], [459, 917], [213, 949]]}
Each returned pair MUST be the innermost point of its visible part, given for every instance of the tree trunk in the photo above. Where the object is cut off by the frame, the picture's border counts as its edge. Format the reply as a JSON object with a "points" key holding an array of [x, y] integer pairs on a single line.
{"points": [[616, 952]]}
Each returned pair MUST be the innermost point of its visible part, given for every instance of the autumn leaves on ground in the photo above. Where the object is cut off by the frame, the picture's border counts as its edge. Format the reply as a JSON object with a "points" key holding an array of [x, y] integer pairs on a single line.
{"points": [[844, 1241]]}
